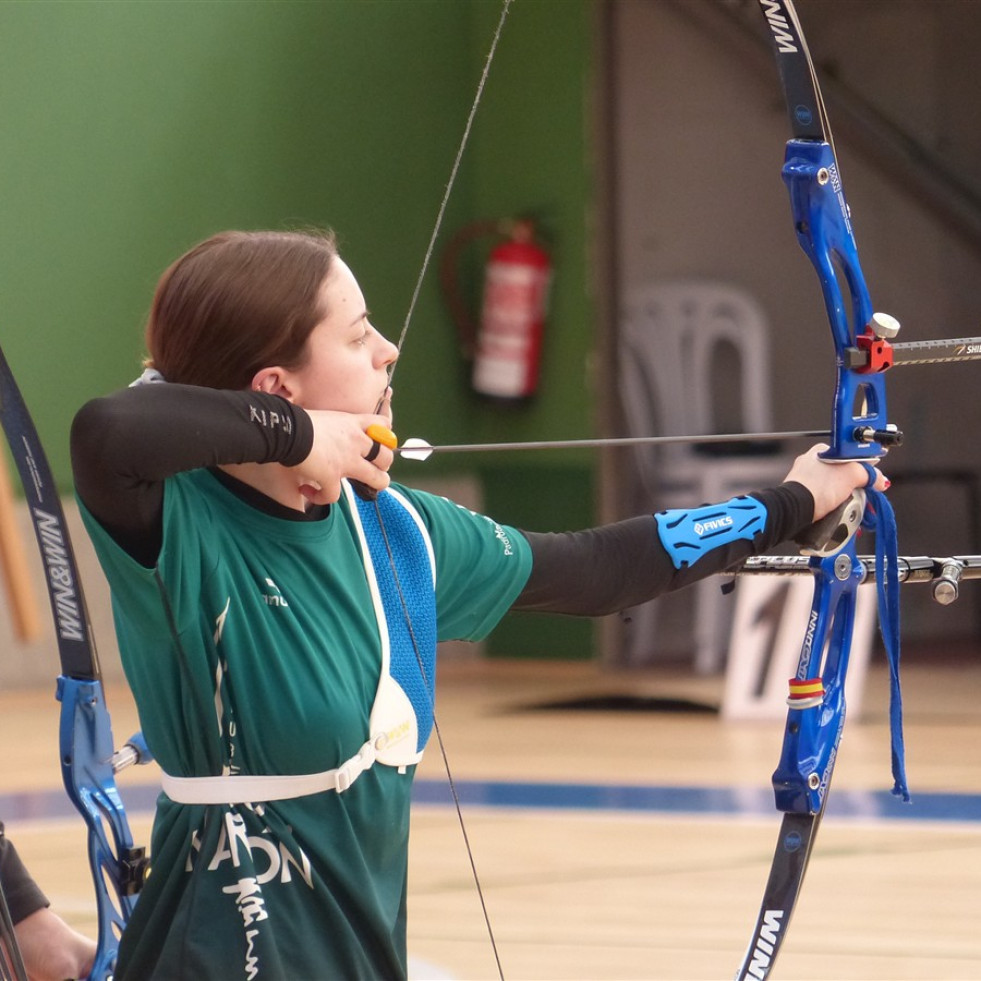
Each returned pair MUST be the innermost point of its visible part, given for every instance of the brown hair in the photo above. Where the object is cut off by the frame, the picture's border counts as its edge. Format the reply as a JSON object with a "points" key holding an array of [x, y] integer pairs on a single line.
{"points": [[238, 302]]}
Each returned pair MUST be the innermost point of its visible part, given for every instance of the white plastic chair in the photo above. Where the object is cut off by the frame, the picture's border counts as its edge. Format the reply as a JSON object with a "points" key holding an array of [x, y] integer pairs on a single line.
{"points": [[694, 360]]}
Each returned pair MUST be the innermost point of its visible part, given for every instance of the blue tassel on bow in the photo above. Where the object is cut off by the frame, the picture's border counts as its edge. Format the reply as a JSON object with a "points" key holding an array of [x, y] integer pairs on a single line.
{"points": [[880, 518]]}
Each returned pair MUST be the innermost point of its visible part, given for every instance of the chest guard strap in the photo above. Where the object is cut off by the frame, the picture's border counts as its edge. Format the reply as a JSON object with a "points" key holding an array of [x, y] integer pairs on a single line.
{"points": [[402, 713]]}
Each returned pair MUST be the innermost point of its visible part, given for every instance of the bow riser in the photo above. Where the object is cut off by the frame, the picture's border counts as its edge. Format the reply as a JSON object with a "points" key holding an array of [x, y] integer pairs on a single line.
{"points": [[822, 222]]}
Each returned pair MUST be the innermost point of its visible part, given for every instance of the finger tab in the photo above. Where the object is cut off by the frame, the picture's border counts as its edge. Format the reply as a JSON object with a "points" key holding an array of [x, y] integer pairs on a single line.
{"points": [[380, 434]]}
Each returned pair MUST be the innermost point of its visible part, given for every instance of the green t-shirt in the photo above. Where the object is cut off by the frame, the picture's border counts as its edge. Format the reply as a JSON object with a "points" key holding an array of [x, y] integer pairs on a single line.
{"points": [[253, 647]]}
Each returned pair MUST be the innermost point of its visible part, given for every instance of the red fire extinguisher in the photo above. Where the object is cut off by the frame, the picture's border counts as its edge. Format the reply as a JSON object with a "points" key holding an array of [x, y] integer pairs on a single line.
{"points": [[506, 345]]}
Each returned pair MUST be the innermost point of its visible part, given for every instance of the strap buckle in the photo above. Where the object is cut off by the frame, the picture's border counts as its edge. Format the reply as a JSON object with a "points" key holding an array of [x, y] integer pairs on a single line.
{"points": [[350, 770]]}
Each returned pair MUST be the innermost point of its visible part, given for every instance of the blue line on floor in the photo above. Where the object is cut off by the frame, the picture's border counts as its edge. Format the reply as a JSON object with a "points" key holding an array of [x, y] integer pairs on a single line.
{"points": [[742, 801], [745, 801]]}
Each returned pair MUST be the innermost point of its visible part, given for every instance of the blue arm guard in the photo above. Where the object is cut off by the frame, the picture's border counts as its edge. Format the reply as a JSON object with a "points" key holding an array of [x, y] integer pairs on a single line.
{"points": [[687, 535]]}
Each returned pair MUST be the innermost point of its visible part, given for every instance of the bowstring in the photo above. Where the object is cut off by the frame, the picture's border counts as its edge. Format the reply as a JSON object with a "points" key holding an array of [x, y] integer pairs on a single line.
{"points": [[449, 184], [429, 684], [430, 689]]}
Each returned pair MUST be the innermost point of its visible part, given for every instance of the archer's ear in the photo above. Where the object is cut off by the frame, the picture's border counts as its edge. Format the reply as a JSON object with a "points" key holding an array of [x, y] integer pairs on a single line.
{"points": [[272, 381]]}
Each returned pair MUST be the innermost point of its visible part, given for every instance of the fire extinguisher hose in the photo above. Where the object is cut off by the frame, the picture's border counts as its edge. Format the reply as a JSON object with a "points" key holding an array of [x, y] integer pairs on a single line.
{"points": [[449, 278]]}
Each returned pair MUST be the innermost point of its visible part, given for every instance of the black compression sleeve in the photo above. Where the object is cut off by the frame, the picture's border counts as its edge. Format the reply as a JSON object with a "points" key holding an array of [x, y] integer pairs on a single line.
{"points": [[126, 444], [21, 892], [606, 569]]}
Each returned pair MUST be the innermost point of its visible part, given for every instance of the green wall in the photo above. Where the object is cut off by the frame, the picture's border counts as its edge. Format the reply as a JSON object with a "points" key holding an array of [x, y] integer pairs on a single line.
{"points": [[532, 156], [130, 130]]}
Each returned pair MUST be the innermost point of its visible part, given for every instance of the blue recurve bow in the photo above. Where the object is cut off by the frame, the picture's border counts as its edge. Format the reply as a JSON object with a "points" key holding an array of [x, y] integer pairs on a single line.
{"points": [[88, 760], [859, 431]]}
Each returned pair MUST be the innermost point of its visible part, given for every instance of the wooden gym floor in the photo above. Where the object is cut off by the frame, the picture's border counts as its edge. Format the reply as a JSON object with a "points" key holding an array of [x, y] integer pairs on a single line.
{"points": [[628, 844]]}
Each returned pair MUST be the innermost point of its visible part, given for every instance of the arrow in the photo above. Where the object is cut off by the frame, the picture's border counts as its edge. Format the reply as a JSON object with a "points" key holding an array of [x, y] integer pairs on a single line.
{"points": [[415, 448]]}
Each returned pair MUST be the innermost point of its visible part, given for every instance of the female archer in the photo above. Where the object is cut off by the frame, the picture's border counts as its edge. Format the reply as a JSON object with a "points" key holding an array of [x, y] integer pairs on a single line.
{"points": [[258, 603]]}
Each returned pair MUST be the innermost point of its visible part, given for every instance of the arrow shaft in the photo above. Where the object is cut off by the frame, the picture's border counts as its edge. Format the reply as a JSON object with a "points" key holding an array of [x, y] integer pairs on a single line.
{"points": [[568, 444]]}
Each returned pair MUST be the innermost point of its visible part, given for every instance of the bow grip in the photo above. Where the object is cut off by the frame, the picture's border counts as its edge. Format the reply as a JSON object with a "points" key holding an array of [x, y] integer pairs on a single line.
{"points": [[829, 535]]}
